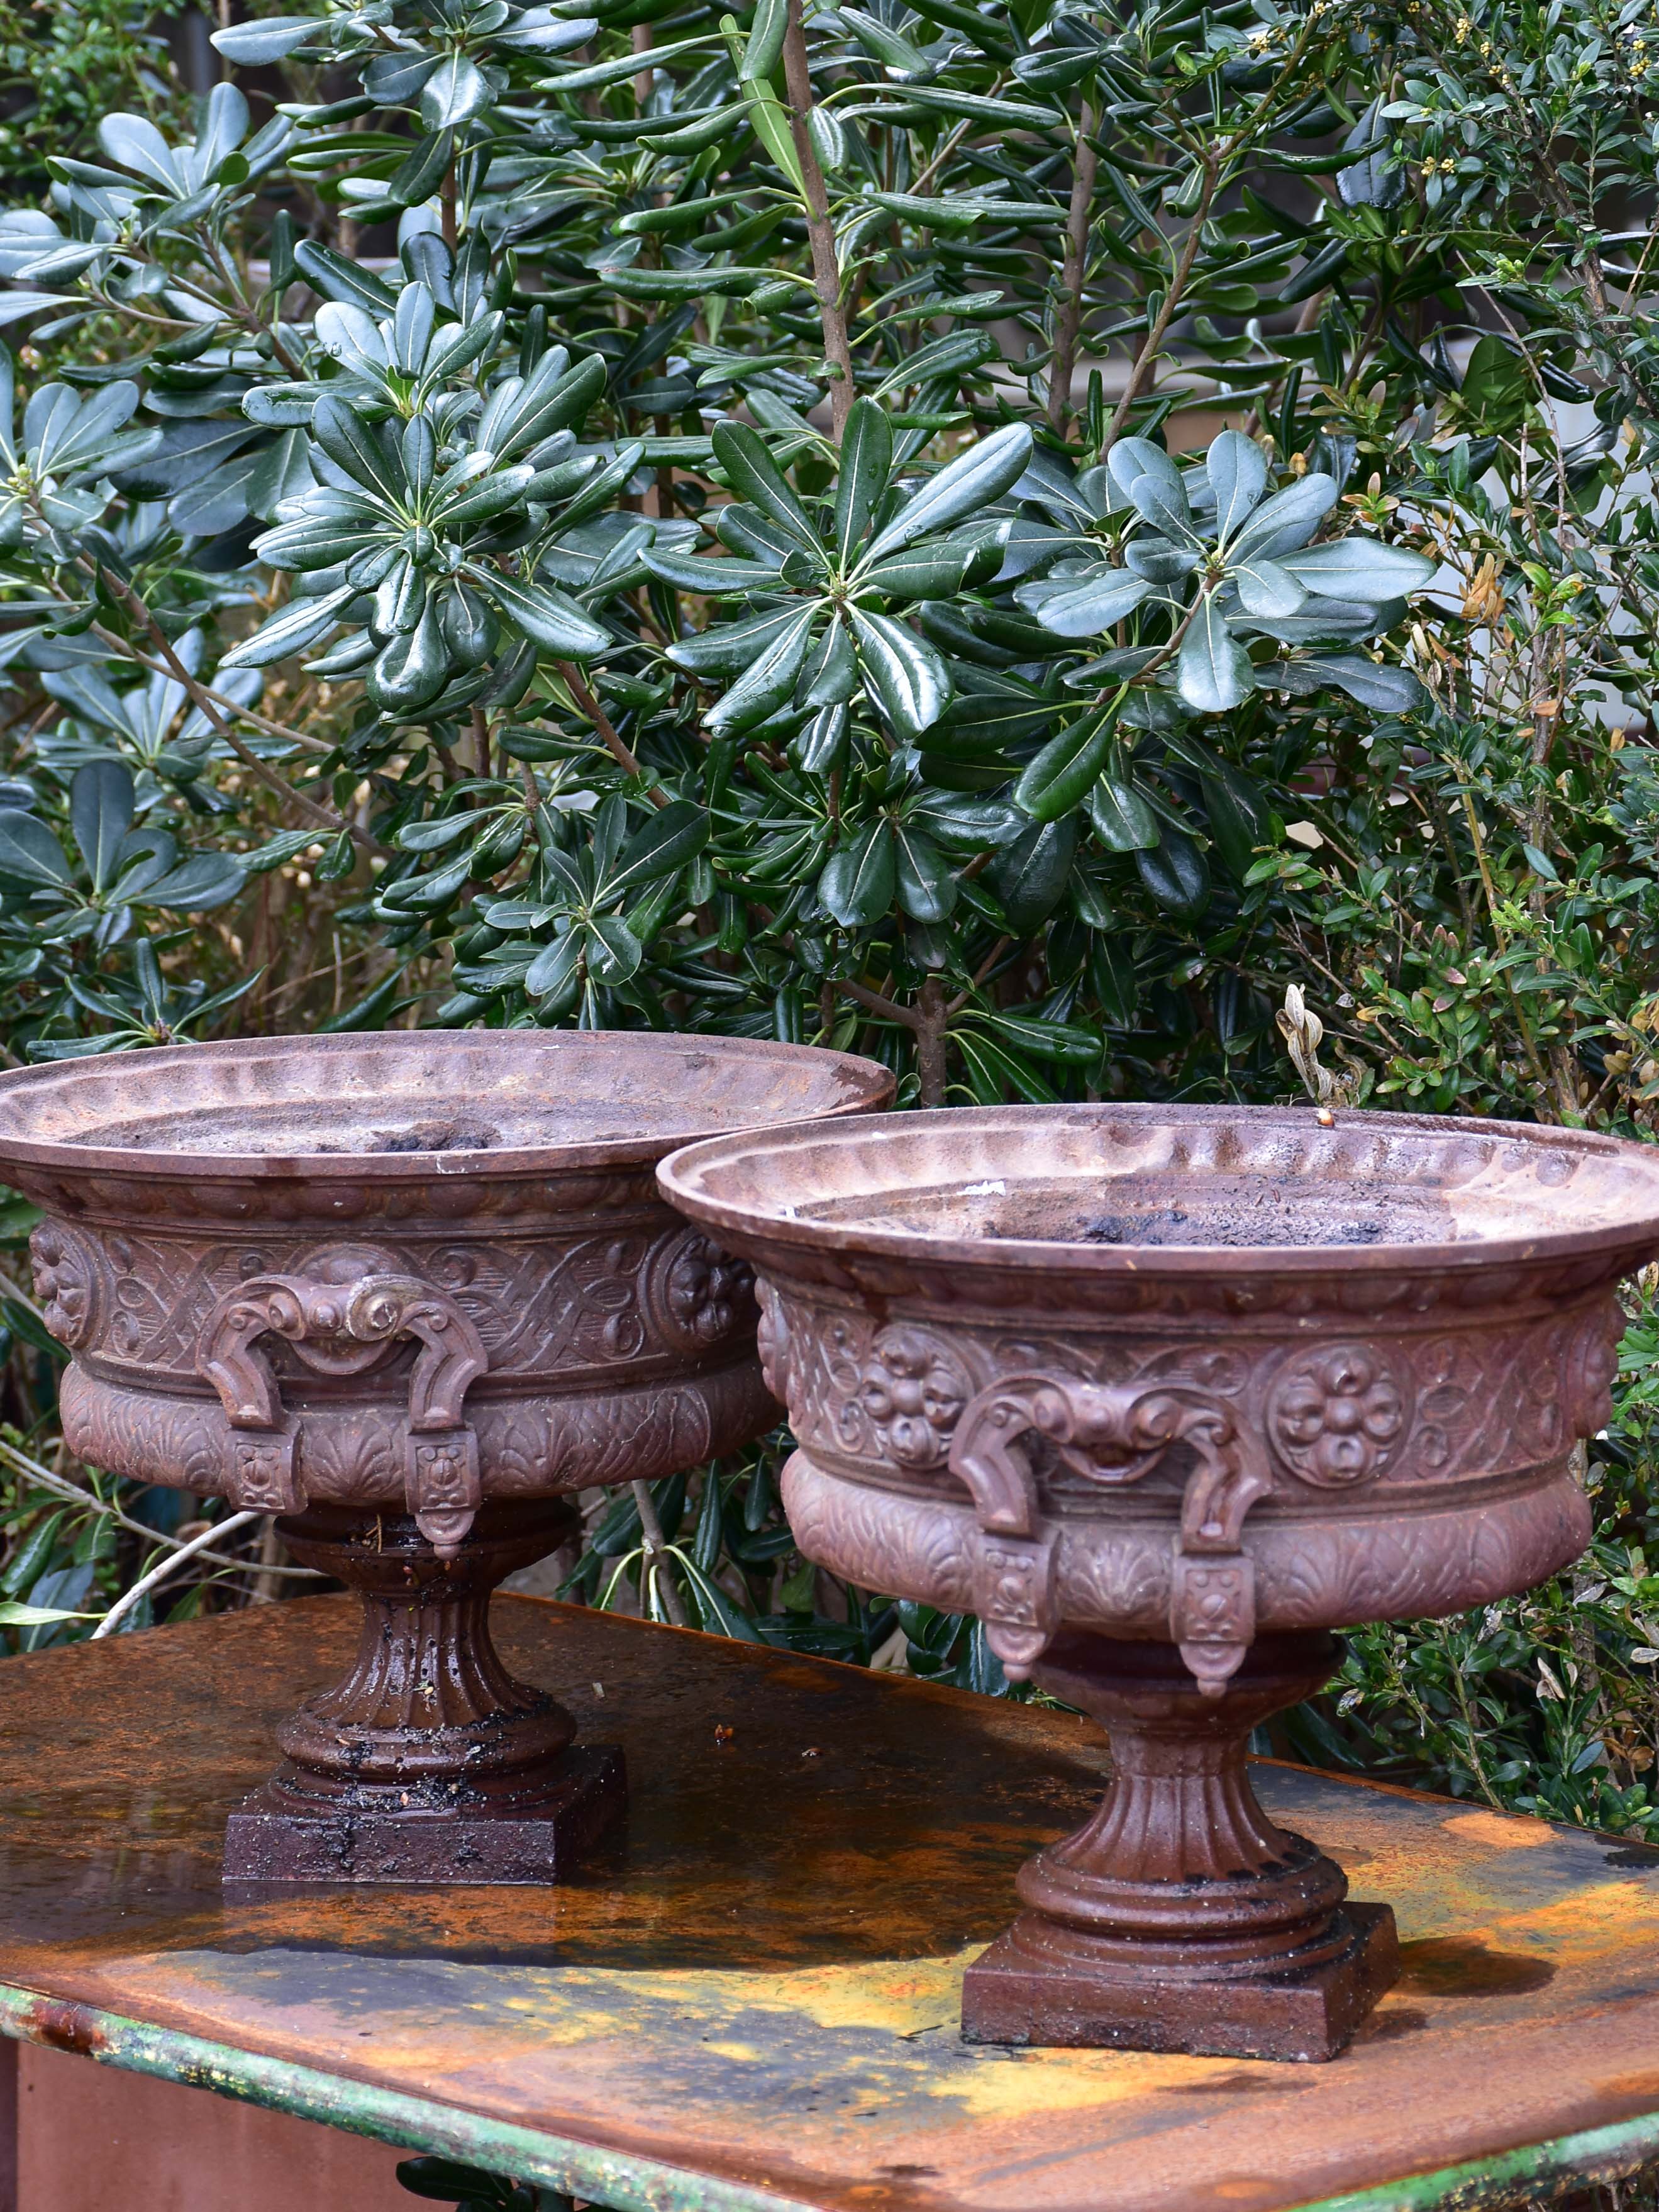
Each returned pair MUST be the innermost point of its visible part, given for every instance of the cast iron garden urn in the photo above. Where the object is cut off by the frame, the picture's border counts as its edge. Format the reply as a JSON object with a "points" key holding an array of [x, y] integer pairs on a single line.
{"points": [[1165, 1395], [408, 1292]]}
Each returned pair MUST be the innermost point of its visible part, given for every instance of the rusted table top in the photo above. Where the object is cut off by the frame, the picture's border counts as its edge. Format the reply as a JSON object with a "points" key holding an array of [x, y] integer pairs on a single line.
{"points": [[753, 2002]]}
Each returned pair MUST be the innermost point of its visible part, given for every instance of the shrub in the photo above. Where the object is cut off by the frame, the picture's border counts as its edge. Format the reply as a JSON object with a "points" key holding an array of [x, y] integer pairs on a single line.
{"points": [[1080, 550]]}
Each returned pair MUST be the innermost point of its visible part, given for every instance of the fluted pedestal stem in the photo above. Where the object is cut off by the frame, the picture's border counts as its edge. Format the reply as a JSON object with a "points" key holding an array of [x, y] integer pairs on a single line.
{"points": [[427, 1760], [1180, 1917]]}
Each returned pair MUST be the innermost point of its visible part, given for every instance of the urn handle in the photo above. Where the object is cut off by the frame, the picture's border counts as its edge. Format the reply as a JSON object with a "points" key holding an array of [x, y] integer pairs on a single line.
{"points": [[341, 1328], [1112, 1434]]}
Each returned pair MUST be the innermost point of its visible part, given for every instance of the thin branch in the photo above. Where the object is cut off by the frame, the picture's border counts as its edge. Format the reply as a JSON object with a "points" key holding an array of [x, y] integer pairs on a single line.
{"points": [[324, 817], [614, 745], [242, 310], [644, 83], [1146, 359], [1070, 322], [980, 974], [61, 1486], [888, 1009], [281, 729], [820, 230], [1528, 1041], [159, 1573], [656, 1552], [931, 1048]]}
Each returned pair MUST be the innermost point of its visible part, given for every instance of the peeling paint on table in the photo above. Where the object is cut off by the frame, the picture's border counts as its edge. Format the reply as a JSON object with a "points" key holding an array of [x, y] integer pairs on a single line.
{"points": [[749, 2003]]}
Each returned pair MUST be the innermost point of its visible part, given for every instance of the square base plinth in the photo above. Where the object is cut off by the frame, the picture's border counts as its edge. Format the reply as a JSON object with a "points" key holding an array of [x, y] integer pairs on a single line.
{"points": [[266, 1844], [1307, 2012]]}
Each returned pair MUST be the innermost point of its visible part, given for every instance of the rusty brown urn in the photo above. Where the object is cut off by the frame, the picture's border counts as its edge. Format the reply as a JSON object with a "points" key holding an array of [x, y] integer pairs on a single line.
{"points": [[407, 1291], [1165, 1395]]}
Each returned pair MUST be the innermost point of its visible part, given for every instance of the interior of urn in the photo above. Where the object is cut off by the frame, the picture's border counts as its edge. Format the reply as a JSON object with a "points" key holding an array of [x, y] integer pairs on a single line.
{"points": [[308, 1097], [1266, 1180], [1234, 1212]]}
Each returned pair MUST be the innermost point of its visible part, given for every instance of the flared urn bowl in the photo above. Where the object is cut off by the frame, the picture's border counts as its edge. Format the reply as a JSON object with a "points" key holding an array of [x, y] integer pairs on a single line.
{"points": [[406, 1292], [408, 1271], [1164, 1396]]}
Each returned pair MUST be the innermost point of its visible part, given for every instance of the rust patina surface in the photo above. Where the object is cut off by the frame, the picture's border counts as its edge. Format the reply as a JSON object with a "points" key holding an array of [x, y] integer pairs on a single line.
{"points": [[1165, 1393], [405, 1291], [749, 1996]]}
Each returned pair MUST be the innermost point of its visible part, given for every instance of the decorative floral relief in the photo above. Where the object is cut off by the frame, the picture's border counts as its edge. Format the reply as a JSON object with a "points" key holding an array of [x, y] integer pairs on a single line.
{"points": [[69, 1281], [1337, 1413], [568, 1318], [1425, 1408], [914, 1391], [698, 1294]]}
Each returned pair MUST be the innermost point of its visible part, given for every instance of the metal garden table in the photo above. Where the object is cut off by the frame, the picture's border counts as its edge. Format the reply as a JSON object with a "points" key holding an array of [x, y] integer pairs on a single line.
{"points": [[750, 2006]]}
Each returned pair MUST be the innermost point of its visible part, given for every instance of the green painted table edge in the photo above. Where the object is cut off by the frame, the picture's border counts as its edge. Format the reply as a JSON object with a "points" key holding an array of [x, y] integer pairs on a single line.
{"points": [[1606, 2153], [416, 2123]]}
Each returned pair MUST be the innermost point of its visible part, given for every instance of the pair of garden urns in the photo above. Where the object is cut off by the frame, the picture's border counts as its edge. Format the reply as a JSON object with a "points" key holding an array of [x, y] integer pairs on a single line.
{"points": [[1162, 1395]]}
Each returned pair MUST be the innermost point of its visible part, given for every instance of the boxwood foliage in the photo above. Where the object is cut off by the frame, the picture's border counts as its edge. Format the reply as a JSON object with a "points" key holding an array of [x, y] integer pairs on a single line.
{"points": [[1083, 551]]}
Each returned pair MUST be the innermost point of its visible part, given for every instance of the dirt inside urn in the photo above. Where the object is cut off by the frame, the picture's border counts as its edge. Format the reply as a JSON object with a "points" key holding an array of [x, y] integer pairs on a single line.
{"points": [[375, 1126], [1265, 1223], [426, 1137], [360, 1126], [1213, 1212]]}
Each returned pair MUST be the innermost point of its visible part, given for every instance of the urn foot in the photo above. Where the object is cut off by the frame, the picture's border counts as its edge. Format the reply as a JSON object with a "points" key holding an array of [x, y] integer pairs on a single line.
{"points": [[1308, 2012], [428, 1761], [585, 1792], [1180, 1918]]}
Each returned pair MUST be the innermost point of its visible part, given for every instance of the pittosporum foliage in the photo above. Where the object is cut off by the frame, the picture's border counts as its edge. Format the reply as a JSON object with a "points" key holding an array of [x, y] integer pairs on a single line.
{"points": [[1072, 548], [664, 579]]}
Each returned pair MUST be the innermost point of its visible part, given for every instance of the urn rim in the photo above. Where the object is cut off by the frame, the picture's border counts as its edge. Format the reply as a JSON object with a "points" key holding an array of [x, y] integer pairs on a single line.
{"points": [[753, 1190], [795, 1083]]}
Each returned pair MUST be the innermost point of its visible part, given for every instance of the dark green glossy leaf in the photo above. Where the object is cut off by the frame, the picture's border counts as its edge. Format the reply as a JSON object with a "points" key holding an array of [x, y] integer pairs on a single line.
{"points": [[906, 676], [963, 487], [926, 883], [1388, 689], [715, 579], [1123, 819], [1060, 777], [671, 838], [929, 571], [866, 461], [769, 678], [203, 881], [1088, 609], [1177, 874], [1029, 876], [296, 627], [29, 854], [547, 618], [755, 475], [1212, 670], [858, 883], [337, 278], [100, 813]]}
